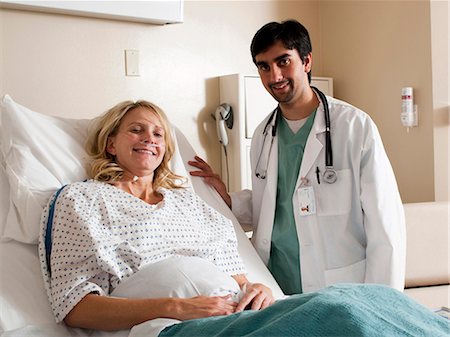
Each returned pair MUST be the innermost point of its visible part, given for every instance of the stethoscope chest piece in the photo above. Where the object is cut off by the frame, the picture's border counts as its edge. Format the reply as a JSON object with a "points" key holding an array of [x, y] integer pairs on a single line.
{"points": [[329, 175]]}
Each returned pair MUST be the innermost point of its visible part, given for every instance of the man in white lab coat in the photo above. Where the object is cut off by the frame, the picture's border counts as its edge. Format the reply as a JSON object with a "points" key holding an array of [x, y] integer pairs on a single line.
{"points": [[325, 206]]}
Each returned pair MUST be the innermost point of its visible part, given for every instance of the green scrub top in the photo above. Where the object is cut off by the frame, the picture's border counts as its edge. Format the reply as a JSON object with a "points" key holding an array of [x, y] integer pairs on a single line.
{"points": [[284, 261]]}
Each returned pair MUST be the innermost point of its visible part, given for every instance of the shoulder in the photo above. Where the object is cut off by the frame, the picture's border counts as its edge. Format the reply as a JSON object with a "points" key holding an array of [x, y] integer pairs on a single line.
{"points": [[345, 114], [185, 198], [84, 193], [262, 125], [178, 194], [87, 187], [339, 107], [352, 123]]}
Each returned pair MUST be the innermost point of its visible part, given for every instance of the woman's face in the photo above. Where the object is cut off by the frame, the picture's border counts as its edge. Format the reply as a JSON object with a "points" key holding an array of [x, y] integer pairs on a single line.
{"points": [[139, 144]]}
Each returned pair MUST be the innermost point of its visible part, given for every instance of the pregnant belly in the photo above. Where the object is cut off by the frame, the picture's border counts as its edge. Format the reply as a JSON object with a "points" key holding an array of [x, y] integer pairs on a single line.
{"points": [[178, 277]]}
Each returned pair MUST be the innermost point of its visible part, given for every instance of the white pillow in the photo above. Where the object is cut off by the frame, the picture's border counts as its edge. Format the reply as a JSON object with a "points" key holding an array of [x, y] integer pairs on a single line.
{"points": [[41, 153], [4, 189], [4, 195], [23, 300]]}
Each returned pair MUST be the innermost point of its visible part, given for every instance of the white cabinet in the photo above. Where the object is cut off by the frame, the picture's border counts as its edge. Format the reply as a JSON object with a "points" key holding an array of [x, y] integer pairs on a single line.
{"points": [[250, 103]]}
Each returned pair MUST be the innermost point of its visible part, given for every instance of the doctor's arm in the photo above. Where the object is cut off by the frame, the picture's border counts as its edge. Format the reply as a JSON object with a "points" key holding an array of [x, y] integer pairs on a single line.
{"points": [[384, 220], [210, 177], [239, 202]]}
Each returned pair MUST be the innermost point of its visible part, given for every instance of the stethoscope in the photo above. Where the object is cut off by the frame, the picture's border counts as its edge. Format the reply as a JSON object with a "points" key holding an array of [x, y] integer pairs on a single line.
{"points": [[328, 176]]}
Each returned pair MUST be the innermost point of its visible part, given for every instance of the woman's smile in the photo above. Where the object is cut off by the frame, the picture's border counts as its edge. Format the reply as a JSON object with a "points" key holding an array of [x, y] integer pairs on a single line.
{"points": [[146, 150]]}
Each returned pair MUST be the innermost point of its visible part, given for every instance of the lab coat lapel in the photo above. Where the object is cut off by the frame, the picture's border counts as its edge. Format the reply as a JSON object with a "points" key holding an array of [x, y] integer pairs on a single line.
{"points": [[313, 144], [263, 233]]}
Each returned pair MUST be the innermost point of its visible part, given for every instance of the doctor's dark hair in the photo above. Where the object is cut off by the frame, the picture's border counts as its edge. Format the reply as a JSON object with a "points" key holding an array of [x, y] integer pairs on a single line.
{"points": [[291, 33], [103, 165]]}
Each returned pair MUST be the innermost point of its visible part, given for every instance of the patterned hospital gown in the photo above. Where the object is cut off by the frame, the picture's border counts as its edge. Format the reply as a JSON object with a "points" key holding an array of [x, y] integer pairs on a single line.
{"points": [[102, 235]]}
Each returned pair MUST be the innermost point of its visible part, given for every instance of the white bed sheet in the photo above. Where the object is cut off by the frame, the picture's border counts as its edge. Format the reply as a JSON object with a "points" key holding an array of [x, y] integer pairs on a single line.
{"points": [[24, 307]]}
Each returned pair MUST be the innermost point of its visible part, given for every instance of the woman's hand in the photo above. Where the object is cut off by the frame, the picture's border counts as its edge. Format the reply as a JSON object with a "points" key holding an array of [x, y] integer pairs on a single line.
{"points": [[203, 306], [117, 313], [211, 178], [256, 294]]}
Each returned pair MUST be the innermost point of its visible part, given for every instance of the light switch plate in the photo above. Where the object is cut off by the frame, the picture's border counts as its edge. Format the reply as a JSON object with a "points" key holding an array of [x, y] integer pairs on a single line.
{"points": [[132, 62]]}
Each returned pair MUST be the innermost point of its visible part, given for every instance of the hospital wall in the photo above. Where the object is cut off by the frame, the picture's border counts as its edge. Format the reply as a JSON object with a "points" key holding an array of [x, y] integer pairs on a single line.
{"points": [[74, 66], [374, 48]]}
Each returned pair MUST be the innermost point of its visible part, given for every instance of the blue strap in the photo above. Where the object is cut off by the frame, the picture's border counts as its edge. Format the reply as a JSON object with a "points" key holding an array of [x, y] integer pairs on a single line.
{"points": [[48, 231]]}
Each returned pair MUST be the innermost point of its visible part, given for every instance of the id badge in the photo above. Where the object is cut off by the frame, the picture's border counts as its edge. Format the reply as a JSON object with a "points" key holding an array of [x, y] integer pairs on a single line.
{"points": [[307, 200]]}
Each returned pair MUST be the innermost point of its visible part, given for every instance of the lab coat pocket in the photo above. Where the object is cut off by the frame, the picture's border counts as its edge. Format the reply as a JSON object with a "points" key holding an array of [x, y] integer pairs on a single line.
{"points": [[354, 273], [336, 198]]}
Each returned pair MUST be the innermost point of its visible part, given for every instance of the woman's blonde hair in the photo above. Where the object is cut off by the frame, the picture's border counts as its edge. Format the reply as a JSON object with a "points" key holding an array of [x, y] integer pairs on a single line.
{"points": [[103, 166]]}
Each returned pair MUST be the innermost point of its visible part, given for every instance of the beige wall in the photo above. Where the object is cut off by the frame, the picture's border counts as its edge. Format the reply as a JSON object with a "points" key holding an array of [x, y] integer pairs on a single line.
{"points": [[440, 29], [2, 64], [75, 66], [372, 49]]}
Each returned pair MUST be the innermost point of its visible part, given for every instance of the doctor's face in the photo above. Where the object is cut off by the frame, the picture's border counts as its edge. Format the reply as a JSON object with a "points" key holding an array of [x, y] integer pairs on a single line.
{"points": [[283, 73], [139, 144]]}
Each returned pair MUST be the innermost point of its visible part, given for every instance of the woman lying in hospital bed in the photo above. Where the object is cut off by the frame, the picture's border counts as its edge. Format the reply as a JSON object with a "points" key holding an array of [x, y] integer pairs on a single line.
{"points": [[118, 266], [131, 248]]}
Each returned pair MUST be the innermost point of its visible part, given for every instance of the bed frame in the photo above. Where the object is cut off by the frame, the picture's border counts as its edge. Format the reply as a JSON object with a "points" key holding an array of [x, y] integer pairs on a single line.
{"points": [[427, 255]]}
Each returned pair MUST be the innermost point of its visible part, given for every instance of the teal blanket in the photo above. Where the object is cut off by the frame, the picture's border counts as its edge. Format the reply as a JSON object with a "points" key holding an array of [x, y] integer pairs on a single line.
{"points": [[341, 310]]}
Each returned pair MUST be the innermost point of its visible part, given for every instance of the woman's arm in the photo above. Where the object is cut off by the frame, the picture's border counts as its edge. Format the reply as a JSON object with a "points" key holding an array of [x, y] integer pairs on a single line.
{"points": [[256, 294], [114, 313]]}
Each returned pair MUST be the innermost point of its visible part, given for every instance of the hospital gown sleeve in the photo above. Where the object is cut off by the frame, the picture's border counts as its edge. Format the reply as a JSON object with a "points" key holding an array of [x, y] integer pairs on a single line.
{"points": [[74, 270]]}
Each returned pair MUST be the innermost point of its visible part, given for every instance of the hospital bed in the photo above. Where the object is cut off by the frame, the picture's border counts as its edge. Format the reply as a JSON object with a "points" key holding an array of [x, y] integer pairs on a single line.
{"points": [[40, 153]]}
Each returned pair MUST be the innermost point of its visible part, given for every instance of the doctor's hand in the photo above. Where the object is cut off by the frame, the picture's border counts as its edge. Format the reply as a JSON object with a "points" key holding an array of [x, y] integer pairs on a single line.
{"points": [[257, 297], [211, 178]]}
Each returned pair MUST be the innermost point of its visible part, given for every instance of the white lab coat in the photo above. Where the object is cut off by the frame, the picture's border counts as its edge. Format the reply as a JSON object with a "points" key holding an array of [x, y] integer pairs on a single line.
{"points": [[358, 231]]}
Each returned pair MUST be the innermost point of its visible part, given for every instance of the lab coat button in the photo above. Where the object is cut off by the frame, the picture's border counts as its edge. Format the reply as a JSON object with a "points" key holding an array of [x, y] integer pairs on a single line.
{"points": [[265, 241]]}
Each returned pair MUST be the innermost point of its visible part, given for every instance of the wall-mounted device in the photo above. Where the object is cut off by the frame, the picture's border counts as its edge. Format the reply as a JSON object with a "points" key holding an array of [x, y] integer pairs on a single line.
{"points": [[224, 119], [409, 109]]}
